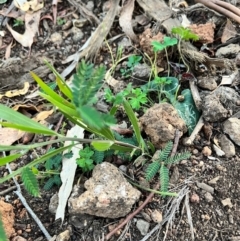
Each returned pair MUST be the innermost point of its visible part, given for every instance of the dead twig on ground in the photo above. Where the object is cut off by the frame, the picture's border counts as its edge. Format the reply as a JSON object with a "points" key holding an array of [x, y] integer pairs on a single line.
{"points": [[226, 9]]}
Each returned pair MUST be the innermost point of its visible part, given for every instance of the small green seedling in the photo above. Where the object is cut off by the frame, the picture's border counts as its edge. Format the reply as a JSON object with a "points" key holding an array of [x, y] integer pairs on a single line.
{"points": [[160, 165], [133, 60], [186, 35], [85, 161], [61, 21], [18, 22], [136, 97], [159, 46]]}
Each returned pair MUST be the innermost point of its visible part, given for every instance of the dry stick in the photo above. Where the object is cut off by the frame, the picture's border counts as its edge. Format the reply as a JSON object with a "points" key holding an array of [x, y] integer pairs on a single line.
{"points": [[28, 208], [212, 4], [130, 216], [150, 196]]}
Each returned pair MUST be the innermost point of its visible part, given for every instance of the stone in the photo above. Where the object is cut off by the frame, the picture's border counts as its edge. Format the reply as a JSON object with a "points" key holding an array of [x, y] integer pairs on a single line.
{"points": [[160, 123], [227, 146], [108, 194], [19, 238], [77, 34], [205, 187], [7, 215], [206, 151], [228, 51], [56, 38], [143, 226], [156, 216], [227, 202], [207, 82], [232, 128], [64, 236], [53, 204], [141, 72], [194, 198], [208, 196]]}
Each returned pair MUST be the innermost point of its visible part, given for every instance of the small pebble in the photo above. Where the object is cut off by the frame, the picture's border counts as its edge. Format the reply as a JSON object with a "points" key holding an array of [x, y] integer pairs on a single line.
{"points": [[194, 198], [206, 151], [208, 196]]}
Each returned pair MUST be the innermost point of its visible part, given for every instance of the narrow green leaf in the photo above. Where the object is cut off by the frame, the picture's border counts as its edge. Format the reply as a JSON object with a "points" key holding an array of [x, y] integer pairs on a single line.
{"points": [[62, 85], [133, 121], [30, 182], [20, 120], [102, 145], [3, 236], [7, 159], [36, 161]]}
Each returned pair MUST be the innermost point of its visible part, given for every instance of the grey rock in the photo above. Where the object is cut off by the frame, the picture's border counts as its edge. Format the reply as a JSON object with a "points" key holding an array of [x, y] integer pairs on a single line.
{"points": [[82, 221], [208, 196], [77, 34], [53, 204], [213, 110], [227, 146], [232, 128], [143, 226], [205, 187], [108, 194], [230, 50], [141, 72], [90, 5], [208, 83]]}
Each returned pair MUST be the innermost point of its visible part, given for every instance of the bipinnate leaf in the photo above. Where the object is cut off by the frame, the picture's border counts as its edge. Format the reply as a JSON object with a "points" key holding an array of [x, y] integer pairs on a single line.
{"points": [[86, 83], [164, 178], [30, 182], [177, 158], [163, 155], [152, 170], [21, 122]]}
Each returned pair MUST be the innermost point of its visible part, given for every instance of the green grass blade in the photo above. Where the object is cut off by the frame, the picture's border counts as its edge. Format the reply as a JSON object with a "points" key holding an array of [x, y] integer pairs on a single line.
{"points": [[134, 121], [37, 161], [7, 159], [3, 236], [10, 115], [62, 85]]}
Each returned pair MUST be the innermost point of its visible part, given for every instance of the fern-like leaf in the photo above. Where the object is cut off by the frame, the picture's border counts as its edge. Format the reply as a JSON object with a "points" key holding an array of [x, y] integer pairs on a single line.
{"points": [[152, 169], [49, 184], [98, 157], [86, 83], [178, 157], [30, 182], [164, 178], [3, 236], [163, 155]]}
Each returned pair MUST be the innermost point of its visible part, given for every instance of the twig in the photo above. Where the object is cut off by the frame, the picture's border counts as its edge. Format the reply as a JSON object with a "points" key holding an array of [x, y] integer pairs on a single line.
{"points": [[28, 208], [130, 216], [197, 128], [8, 190], [222, 7]]}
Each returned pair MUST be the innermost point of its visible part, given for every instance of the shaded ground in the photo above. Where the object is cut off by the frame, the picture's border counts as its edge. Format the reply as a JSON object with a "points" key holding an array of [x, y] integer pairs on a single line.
{"points": [[212, 218]]}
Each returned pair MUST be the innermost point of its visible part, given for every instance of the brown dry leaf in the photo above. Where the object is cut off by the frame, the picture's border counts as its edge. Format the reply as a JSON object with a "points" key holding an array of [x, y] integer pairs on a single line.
{"points": [[29, 5], [8, 136], [22, 106], [228, 32], [125, 20], [12, 14], [43, 115], [54, 6], [205, 32], [31, 29], [12, 93], [8, 50]]}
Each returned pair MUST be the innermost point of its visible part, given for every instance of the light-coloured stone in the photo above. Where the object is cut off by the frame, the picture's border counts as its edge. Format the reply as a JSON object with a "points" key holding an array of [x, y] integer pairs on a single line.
{"points": [[232, 128], [64, 236], [206, 151], [143, 226], [227, 202], [208, 196], [156, 216], [227, 146], [108, 194], [53, 204]]}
